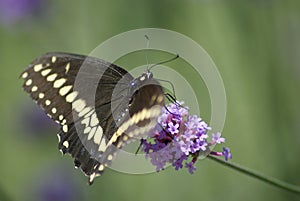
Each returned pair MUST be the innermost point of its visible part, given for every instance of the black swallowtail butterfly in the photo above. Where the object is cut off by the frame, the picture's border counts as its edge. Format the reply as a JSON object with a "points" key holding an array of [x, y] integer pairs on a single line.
{"points": [[93, 127]]}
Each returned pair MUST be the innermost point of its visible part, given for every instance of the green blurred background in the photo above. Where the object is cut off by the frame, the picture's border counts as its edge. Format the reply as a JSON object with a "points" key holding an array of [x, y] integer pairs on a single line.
{"points": [[255, 45]]}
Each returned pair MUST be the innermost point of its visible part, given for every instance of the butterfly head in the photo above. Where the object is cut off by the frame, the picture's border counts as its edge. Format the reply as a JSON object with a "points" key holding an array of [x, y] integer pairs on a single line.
{"points": [[140, 81]]}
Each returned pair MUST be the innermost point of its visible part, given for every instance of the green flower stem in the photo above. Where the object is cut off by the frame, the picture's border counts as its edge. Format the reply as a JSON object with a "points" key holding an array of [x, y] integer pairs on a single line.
{"points": [[270, 180]]}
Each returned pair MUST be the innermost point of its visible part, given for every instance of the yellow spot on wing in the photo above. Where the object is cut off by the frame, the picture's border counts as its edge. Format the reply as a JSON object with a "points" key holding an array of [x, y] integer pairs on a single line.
{"points": [[78, 105], [66, 144], [28, 82], [34, 88], [47, 102], [45, 72], [59, 83], [61, 117], [102, 146], [41, 95], [101, 167], [160, 98], [65, 128], [125, 137], [54, 110], [64, 90], [52, 77], [110, 157], [94, 120], [84, 111], [87, 129], [53, 59], [67, 67], [71, 97], [153, 112], [86, 121], [98, 135], [92, 133], [37, 67], [24, 75]]}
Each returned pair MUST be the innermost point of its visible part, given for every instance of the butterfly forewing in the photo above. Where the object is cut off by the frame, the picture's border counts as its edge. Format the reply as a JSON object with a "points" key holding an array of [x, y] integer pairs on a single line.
{"points": [[78, 92]]}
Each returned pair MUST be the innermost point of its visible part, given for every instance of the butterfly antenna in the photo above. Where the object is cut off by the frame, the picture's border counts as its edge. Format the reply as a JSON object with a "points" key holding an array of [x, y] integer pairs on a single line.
{"points": [[171, 98], [163, 62], [171, 84], [171, 112], [147, 50]]}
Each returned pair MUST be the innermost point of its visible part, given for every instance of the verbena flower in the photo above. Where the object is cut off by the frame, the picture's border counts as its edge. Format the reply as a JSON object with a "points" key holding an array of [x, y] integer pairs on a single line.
{"points": [[34, 122], [59, 185], [179, 139], [11, 11]]}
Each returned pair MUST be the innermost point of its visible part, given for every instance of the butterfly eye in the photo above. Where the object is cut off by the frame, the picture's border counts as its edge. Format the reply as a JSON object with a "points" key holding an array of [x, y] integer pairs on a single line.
{"points": [[134, 84]]}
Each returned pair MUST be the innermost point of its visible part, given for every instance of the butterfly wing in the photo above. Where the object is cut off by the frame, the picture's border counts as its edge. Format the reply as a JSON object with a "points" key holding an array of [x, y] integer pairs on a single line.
{"points": [[88, 97], [50, 81]]}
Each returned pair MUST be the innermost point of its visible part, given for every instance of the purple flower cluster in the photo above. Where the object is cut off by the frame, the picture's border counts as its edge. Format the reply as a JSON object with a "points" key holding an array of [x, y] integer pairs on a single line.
{"points": [[179, 139]]}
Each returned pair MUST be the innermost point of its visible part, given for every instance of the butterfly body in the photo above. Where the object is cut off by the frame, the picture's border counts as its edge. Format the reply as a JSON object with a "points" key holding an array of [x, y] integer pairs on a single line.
{"points": [[99, 105]]}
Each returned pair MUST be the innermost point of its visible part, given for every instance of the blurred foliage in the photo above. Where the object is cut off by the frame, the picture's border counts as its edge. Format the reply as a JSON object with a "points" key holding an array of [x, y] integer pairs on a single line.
{"points": [[255, 45]]}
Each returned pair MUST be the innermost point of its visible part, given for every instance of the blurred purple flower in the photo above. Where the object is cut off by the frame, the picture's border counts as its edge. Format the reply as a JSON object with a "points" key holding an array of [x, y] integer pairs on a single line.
{"points": [[34, 121], [12, 11], [57, 185], [182, 138], [217, 138]]}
